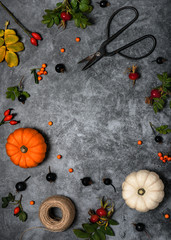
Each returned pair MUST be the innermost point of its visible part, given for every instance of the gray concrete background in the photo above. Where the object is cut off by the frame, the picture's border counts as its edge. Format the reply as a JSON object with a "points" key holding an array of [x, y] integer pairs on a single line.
{"points": [[97, 118]]}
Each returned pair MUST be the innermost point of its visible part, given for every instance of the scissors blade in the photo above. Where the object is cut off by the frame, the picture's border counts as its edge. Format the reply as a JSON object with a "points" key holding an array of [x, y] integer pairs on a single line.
{"points": [[97, 56], [86, 59]]}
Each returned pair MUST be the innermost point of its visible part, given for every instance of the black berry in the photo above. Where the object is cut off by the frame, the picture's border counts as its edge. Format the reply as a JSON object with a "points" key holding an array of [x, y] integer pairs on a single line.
{"points": [[86, 181], [103, 4], [159, 139], [107, 181], [60, 68], [21, 186], [140, 227], [22, 98], [51, 177], [160, 60]]}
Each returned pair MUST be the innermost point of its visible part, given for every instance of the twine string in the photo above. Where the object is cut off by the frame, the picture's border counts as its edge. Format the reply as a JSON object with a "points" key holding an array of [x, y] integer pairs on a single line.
{"points": [[53, 224]]}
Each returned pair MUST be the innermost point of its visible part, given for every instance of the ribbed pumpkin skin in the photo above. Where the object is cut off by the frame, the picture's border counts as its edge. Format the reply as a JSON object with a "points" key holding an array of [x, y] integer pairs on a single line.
{"points": [[34, 143]]}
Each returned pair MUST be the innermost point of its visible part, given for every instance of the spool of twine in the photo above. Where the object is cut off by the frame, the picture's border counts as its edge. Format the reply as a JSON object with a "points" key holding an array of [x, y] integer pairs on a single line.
{"points": [[51, 223]]}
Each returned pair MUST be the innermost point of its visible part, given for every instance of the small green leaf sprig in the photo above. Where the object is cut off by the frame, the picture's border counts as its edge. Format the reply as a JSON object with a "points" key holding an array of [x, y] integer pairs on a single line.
{"points": [[165, 90], [16, 91], [76, 8], [98, 230], [11, 199], [163, 129]]}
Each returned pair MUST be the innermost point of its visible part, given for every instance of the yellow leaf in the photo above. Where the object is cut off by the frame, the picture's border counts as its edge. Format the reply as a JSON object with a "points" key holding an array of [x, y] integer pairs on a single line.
{"points": [[1, 42], [2, 53], [1, 32], [9, 31], [16, 47], [11, 58], [10, 39]]}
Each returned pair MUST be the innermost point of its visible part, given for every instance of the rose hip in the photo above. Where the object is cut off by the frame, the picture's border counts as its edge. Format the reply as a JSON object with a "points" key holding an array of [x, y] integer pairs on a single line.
{"points": [[7, 112], [36, 36], [8, 118]]}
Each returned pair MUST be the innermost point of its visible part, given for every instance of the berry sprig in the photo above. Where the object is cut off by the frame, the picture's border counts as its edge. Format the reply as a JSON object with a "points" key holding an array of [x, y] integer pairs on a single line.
{"points": [[160, 94], [8, 118], [68, 10], [18, 211], [164, 158], [100, 220], [34, 37], [41, 71], [17, 91], [133, 75]]}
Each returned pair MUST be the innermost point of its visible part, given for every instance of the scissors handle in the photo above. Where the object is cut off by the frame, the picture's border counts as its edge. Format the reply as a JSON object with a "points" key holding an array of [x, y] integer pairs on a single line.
{"points": [[110, 39], [132, 43]]}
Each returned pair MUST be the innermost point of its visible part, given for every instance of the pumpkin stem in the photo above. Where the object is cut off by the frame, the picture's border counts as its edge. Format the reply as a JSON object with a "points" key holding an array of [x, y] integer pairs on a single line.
{"points": [[141, 191], [23, 149]]}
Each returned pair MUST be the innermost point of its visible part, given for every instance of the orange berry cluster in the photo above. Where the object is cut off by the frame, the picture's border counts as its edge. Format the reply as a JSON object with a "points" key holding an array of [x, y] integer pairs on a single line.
{"points": [[164, 158], [42, 71]]}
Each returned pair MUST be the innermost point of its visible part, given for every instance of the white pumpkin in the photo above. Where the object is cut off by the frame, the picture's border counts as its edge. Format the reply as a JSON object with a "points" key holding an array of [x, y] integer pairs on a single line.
{"points": [[143, 190]]}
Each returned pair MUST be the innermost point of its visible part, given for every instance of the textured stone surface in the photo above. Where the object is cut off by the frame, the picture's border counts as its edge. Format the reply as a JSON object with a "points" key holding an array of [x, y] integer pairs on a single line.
{"points": [[97, 117]]}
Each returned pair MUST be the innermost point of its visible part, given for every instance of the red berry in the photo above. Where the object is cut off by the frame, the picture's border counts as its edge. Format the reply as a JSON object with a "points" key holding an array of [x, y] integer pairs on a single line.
{"points": [[94, 218], [13, 122], [134, 76], [155, 93], [8, 118], [65, 16], [7, 112], [36, 36], [101, 212], [33, 41], [16, 210]]}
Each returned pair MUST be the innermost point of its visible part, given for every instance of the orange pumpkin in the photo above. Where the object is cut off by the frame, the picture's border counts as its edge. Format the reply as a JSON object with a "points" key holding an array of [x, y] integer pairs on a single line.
{"points": [[26, 147]]}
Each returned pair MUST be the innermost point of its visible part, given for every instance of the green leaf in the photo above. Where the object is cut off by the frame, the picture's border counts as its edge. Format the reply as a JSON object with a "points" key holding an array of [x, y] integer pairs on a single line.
{"points": [[88, 227], [11, 88], [101, 234], [59, 4], [11, 197], [77, 22], [5, 204], [113, 222], [81, 234], [23, 216], [47, 17], [12, 96], [26, 94], [45, 21], [74, 3], [48, 11], [155, 108], [160, 77], [33, 71], [96, 236], [8, 94], [56, 20], [85, 2], [90, 9], [83, 25], [108, 231], [51, 23], [83, 7]]}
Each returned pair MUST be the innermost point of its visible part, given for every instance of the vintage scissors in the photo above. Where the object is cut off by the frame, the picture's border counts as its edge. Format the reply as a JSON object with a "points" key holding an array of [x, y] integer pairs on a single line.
{"points": [[102, 52]]}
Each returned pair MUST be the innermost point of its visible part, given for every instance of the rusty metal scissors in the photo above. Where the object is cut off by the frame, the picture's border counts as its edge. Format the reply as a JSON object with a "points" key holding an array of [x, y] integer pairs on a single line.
{"points": [[102, 52]]}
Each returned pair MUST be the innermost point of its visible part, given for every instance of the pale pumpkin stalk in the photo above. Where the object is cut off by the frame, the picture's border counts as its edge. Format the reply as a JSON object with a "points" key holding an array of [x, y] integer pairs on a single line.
{"points": [[16, 20]]}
